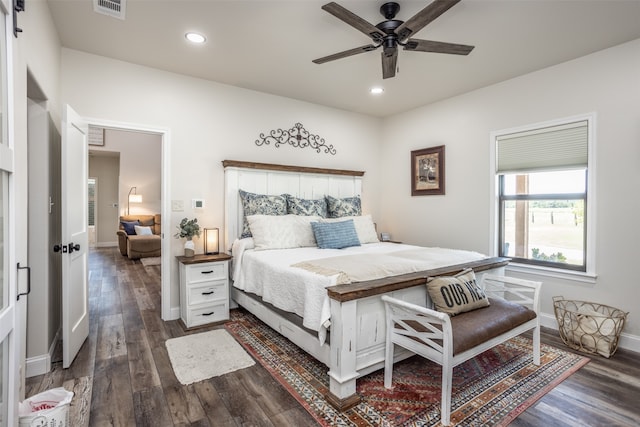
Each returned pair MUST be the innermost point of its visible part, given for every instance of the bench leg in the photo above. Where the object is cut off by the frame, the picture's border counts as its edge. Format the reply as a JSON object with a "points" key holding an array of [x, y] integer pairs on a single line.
{"points": [[388, 362], [447, 380], [536, 345]]}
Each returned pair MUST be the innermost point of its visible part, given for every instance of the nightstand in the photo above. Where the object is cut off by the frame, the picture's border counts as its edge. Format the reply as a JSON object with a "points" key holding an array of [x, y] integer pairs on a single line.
{"points": [[204, 289]]}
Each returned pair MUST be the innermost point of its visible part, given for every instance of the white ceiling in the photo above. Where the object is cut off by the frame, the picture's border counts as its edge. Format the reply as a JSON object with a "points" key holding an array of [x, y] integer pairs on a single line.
{"points": [[268, 45]]}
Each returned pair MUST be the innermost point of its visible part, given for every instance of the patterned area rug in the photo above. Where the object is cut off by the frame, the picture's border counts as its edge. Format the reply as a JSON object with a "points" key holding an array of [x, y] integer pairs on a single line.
{"points": [[488, 390]]}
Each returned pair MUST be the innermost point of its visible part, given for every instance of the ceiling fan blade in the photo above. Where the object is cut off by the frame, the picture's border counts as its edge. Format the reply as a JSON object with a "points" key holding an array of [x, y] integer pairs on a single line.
{"points": [[355, 21], [350, 52], [424, 17], [389, 64], [437, 47]]}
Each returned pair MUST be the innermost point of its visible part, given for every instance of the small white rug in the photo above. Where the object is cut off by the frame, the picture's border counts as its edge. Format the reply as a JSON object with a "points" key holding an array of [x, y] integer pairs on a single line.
{"points": [[152, 260], [201, 356]]}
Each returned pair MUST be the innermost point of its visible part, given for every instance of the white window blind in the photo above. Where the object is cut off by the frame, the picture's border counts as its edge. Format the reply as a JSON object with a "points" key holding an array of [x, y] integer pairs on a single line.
{"points": [[551, 148]]}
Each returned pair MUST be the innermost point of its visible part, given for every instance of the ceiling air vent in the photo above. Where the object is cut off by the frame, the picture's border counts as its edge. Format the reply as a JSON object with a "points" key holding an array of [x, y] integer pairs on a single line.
{"points": [[113, 8], [96, 135]]}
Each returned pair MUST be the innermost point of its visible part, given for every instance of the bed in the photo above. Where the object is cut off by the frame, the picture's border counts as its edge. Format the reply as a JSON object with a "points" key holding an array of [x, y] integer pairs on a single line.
{"points": [[344, 327]]}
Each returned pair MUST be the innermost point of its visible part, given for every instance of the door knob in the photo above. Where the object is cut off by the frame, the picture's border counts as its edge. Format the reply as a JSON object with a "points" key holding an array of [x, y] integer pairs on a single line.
{"points": [[73, 247], [57, 248]]}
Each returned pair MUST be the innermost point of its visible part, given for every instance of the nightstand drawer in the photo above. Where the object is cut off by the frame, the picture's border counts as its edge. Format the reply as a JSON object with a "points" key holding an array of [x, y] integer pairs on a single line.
{"points": [[206, 272], [207, 314], [206, 293]]}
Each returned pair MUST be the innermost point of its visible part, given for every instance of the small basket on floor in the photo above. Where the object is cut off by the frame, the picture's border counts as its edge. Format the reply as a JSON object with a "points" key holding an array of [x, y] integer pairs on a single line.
{"points": [[589, 327]]}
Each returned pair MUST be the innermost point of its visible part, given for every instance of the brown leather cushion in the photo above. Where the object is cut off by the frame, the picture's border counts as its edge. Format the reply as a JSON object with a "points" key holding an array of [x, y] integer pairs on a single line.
{"points": [[472, 328], [477, 326]]}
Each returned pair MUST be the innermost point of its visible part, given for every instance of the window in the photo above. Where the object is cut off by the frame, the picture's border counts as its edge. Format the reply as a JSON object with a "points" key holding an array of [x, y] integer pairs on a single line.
{"points": [[542, 177]]}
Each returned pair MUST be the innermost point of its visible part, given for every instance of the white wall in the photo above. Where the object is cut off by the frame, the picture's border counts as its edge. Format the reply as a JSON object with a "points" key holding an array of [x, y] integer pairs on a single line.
{"points": [[140, 167], [607, 83], [105, 169], [38, 49], [210, 122]]}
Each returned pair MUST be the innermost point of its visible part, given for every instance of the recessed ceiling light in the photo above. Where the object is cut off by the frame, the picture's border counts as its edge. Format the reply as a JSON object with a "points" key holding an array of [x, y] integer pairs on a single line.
{"points": [[195, 37], [376, 90]]}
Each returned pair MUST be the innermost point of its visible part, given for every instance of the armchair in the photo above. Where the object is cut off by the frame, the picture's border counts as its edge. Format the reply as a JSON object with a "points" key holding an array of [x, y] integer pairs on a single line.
{"points": [[139, 246]]}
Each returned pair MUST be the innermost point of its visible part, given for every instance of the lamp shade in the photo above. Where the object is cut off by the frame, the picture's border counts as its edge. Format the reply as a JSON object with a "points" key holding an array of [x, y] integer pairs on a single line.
{"points": [[135, 198], [211, 241]]}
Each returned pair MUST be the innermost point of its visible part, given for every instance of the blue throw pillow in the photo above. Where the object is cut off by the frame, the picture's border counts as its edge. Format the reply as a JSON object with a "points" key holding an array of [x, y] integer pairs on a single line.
{"points": [[129, 226], [335, 235]]}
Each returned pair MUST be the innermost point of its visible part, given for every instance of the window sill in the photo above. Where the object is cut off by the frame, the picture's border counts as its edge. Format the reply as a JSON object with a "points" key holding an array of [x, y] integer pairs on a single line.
{"points": [[576, 276]]}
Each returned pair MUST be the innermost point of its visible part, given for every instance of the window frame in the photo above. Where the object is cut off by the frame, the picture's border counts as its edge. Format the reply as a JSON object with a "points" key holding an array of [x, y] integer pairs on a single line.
{"points": [[502, 198], [586, 274]]}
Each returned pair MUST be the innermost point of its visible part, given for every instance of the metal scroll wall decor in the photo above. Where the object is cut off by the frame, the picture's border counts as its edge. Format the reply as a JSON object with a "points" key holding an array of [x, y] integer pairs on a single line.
{"points": [[297, 137]]}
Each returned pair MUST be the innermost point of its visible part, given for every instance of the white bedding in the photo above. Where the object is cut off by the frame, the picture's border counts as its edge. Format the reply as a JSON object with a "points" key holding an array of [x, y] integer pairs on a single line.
{"points": [[269, 274]]}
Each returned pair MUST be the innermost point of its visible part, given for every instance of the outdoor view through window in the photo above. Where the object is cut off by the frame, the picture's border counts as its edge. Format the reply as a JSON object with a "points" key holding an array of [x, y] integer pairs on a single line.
{"points": [[543, 218]]}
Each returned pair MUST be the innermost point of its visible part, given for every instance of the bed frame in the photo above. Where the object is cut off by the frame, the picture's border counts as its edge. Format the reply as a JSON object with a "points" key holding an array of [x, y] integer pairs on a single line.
{"points": [[358, 328]]}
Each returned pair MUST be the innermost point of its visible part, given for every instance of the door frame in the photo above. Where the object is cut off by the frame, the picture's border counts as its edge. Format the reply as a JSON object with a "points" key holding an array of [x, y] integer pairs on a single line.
{"points": [[167, 313]]}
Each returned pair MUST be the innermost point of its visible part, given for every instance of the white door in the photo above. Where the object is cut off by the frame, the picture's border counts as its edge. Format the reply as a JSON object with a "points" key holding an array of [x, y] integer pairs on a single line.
{"points": [[11, 332], [75, 242]]}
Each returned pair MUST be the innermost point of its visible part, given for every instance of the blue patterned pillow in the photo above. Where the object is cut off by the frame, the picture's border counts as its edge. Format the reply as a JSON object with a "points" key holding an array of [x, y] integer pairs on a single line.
{"points": [[129, 226], [349, 206], [260, 204], [335, 235], [306, 207]]}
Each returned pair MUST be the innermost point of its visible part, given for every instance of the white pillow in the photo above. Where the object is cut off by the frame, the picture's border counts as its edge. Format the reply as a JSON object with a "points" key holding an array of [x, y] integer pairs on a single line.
{"points": [[364, 227], [282, 231], [143, 231]]}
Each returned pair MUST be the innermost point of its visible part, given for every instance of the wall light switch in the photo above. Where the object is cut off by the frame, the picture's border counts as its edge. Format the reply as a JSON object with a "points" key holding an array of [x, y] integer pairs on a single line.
{"points": [[177, 205]]}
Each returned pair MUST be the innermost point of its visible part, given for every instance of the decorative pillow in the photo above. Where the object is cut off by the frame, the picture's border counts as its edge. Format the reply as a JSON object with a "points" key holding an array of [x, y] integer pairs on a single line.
{"points": [[364, 227], [335, 235], [307, 207], [260, 204], [142, 231], [348, 206], [456, 294], [281, 231], [129, 226]]}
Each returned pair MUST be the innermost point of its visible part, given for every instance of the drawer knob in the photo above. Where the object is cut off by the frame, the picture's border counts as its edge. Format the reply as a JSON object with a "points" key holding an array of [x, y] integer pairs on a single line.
{"points": [[208, 314], [207, 272], [209, 293]]}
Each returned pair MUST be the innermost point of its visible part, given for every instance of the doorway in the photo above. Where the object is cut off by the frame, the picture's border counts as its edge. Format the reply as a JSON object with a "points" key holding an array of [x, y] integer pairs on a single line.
{"points": [[155, 201]]}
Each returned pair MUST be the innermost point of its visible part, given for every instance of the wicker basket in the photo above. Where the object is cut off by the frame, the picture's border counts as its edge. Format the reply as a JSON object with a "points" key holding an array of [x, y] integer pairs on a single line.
{"points": [[589, 327]]}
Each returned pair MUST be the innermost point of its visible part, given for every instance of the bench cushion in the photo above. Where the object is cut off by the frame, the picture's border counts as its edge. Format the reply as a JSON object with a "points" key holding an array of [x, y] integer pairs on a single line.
{"points": [[475, 327]]}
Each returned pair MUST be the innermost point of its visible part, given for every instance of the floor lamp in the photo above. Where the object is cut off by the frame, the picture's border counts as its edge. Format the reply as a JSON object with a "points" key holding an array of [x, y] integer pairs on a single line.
{"points": [[133, 198]]}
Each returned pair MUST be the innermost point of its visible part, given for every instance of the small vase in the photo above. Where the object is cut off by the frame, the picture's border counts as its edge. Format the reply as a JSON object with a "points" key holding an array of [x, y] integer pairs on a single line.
{"points": [[189, 248]]}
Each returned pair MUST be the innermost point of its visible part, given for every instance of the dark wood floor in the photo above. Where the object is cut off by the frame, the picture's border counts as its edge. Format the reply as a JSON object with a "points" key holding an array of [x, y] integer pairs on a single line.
{"points": [[122, 375]]}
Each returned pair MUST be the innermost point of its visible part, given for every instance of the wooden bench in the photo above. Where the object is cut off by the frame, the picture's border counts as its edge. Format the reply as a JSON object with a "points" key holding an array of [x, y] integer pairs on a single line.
{"points": [[449, 341]]}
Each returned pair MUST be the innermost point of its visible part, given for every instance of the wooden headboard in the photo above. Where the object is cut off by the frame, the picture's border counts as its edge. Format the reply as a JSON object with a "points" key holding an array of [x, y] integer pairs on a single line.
{"points": [[266, 178]]}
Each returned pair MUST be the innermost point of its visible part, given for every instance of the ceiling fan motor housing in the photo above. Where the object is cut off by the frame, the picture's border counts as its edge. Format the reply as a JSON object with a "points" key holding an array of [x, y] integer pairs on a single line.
{"points": [[389, 10]]}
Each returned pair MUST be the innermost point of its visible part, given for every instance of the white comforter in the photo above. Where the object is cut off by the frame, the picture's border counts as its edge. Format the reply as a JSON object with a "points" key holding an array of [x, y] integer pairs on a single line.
{"points": [[269, 274]]}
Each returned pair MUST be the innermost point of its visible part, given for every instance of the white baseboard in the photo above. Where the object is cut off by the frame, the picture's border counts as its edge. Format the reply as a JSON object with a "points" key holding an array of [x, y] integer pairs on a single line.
{"points": [[627, 341], [40, 365], [174, 313], [37, 365]]}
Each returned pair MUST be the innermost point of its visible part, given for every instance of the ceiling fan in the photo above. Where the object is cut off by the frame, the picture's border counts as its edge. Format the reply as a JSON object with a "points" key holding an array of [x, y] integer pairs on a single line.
{"points": [[392, 33]]}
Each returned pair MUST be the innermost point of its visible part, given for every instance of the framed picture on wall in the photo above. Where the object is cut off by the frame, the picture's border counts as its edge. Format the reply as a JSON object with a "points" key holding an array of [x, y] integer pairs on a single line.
{"points": [[427, 171]]}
